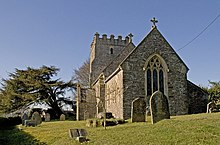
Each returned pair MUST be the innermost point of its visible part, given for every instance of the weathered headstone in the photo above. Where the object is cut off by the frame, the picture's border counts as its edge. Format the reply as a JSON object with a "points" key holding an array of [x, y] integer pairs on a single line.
{"points": [[37, 118], [24, 117], [30, 123], [62, 117], [159, 107], [138, 110], [47, 117], [78, 134], [210, 107]]}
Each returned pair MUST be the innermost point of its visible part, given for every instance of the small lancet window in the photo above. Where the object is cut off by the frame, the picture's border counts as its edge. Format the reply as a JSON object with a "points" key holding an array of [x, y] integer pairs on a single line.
{"points": [[149, 89], [161, 81], [111, 50], [155, 82]]}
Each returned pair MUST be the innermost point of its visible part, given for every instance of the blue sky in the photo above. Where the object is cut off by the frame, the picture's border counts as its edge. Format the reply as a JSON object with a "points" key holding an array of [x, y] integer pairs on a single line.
{"points": [[59, 32]]}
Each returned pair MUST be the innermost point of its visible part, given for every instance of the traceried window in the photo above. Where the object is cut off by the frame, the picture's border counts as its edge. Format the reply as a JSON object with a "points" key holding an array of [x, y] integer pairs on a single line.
{"points": [[154, 76]]}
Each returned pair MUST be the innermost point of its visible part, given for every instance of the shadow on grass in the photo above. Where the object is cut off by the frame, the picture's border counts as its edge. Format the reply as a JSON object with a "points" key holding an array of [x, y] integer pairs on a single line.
{"points": [[14, 136]]}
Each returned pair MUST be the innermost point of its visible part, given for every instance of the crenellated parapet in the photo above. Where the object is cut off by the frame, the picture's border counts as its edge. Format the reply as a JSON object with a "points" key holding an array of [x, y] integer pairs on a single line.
{"points": [[111, 40], [104, 49]]}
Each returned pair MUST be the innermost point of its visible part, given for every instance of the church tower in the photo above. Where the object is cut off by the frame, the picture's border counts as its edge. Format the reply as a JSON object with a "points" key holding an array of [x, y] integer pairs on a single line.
{"points": [[102, 51]]}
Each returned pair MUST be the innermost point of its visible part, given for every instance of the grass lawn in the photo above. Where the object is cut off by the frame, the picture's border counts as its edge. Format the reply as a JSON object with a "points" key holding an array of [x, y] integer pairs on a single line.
{"points": [[188, 129]]}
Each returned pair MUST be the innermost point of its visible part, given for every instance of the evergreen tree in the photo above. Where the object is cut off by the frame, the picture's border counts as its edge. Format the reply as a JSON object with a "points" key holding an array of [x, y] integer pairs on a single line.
{"points": [[25, 86]]}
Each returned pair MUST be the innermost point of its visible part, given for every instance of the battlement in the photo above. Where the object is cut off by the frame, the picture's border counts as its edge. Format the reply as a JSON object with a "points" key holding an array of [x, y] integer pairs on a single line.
{"points": [[103, 51], [104, 40]]}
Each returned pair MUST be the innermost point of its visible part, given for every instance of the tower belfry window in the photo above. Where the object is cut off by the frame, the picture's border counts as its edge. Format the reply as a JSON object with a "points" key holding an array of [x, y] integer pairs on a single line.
{"points": [[111, 50]]}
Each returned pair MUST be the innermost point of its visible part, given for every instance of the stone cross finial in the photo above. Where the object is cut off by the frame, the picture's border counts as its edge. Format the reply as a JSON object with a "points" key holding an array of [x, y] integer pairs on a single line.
{"points": [[130, 37], [154, 21]]}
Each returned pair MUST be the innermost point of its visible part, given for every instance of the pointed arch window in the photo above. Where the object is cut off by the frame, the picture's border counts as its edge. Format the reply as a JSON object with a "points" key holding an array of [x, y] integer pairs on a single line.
{"points": [[155, 76]]}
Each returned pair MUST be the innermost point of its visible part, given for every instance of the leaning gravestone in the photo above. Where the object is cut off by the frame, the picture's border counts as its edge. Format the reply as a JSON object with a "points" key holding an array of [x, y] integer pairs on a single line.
{"points": [[159, 107], [62, 117], [23, 118], [210, 107], [138, 110], [37, 118], [47, 117]]}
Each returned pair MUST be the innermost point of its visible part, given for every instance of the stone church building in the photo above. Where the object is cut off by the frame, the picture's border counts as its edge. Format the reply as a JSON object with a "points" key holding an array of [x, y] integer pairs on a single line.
{"points": [[121, 72]]}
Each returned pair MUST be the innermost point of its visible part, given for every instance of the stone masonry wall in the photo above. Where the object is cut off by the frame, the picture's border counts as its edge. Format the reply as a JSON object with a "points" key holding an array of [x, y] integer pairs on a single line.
{"points": [[198, 99], [114, 95], [99, 88], [134, 75], [90, 104], [115, 63]]}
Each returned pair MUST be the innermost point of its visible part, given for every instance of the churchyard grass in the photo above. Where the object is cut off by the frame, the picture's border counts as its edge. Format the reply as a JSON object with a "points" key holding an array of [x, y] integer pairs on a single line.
{"points": [[186, 129]]}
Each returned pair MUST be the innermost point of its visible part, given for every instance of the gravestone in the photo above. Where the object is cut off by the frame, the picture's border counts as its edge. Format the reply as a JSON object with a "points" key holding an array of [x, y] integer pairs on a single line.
{"points": [[47, 117], [23, 118], [210, 107], [138, 110], [37, 118], [159, 107], [78, 134], [62, 117], [30, 123]]}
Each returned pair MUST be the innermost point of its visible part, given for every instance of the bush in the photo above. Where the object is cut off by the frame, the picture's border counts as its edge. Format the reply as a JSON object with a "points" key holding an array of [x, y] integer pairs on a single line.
{"points": [[217, 108], [70, 116], [9, 122], [95, 123], [89, 122]]}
